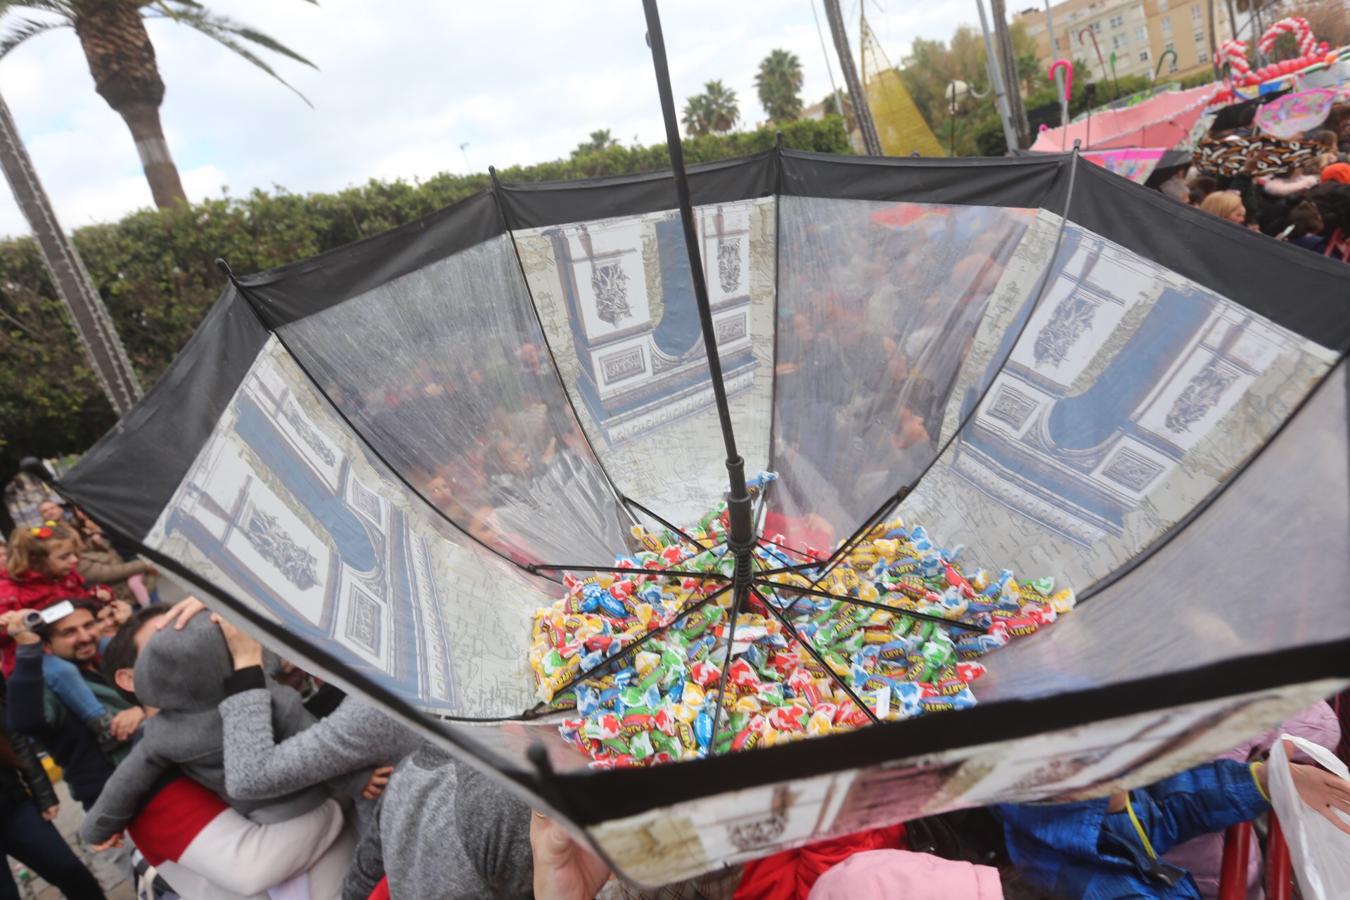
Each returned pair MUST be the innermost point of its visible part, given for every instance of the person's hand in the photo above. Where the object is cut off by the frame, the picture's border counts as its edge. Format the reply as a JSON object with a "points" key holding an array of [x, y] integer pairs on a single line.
{"points": [[152, 572], [16, 626], [114, 841], [121, 611], [244, 650], [379, 780], [563, 869], [180, 614], [50, 812], [125, 723], [102, 593], [1322, 791]]}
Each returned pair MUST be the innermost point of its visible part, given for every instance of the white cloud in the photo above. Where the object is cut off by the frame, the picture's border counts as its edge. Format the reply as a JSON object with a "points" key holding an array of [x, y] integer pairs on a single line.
{"points": [[401, 86]]}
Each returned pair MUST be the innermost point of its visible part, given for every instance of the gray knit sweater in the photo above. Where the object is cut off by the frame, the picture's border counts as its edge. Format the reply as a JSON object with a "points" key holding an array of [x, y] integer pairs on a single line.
{"points": [[182, 673], [445, 831], [339, 750]]}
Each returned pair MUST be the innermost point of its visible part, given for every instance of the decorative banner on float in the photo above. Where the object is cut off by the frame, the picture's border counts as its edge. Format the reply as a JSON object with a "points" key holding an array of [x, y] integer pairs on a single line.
{"points": [[1135, 165], [1289, 116]]}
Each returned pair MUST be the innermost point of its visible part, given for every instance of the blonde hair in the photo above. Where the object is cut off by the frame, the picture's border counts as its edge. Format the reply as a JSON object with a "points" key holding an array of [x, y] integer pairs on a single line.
{"points": [[1222, 203], [28, 549]]}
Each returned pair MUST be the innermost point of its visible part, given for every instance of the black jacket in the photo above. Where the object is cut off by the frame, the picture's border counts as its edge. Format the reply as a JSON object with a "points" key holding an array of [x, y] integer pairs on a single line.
{"points": [[35, 711], [21, 773]]}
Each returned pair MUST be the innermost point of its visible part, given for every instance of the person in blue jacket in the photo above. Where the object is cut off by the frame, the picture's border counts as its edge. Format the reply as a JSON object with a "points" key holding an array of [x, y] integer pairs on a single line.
{"points": [[1112, 847]]}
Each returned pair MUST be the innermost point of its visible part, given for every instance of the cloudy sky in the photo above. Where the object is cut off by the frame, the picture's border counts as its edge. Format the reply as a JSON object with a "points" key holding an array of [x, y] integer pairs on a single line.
{"points": [[402, 85]]}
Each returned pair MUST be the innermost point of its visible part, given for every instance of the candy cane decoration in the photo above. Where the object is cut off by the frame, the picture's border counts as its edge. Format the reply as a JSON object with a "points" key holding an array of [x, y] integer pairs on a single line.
{"points": [[1068, 76], [1299, 27], [1235, 54]]}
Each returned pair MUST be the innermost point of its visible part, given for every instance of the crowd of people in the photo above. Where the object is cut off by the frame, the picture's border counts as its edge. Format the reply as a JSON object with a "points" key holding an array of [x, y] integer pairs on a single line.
{"points": [[180, 737], [1295, 191]]}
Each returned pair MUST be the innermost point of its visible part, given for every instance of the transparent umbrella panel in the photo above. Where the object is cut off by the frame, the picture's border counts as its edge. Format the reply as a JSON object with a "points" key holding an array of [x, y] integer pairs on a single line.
{"points": [[386, 460]]}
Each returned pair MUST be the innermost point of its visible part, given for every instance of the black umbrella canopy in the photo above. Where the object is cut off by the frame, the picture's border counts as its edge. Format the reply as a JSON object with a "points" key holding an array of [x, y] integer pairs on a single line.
{"points": [[379, 457]]}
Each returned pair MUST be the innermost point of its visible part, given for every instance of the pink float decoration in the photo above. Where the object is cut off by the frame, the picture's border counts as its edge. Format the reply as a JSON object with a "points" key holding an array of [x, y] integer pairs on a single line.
{"points": [[1164, 120]]}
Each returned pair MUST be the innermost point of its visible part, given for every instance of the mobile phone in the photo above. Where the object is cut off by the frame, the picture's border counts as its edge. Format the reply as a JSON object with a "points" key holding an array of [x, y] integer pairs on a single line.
{"points": [[58, 612]]}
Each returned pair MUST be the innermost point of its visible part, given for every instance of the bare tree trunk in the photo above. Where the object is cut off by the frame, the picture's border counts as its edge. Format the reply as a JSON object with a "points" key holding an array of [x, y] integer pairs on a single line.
{"points": [[871, 142], [156, 161], [1015, 107], [122, 60], [92, 323]]}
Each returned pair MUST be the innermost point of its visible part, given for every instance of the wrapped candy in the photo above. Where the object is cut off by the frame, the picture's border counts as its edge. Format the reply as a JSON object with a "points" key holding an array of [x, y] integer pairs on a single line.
{"points": [[879, 647]]}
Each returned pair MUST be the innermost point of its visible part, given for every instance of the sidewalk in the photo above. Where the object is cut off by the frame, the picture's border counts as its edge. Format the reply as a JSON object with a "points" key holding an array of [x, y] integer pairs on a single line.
{"points": [[113, 869]]}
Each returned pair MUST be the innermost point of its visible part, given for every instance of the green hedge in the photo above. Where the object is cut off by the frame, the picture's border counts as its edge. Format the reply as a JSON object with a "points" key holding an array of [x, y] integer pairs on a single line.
{"points": [[155, 272]]}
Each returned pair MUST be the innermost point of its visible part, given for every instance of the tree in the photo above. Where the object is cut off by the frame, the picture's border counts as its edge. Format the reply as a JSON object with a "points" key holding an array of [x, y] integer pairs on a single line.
{"points": [[779, 83], [715, 111], [599, 140], [121, 58]]}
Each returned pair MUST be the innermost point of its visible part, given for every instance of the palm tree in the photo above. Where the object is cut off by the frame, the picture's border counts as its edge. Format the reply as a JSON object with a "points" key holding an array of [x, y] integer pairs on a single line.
{"points": [[714, 110], [599, 140], [723, 110], [779, 83], [695, 116], [122, 60]]}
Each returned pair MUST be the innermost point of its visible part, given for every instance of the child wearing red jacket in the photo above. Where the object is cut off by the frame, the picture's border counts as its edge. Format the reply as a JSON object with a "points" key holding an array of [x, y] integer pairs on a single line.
{"points": [[40, 572]]}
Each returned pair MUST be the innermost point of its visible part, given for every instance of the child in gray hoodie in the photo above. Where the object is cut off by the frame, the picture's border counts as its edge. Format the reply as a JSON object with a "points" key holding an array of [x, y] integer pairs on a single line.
{"points": [[182, 674]]}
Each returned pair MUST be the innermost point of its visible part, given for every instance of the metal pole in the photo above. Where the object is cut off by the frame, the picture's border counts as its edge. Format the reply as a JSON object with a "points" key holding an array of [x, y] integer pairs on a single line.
{"points": [[1059, 73], [1013, 84], [863, 112], [741, 533], [93, 325], [829, 69], [996, 79]]}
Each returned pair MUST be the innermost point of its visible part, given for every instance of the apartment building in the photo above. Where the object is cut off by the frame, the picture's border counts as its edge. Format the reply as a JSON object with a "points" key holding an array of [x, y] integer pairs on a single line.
{"points": [[1140, 34]]}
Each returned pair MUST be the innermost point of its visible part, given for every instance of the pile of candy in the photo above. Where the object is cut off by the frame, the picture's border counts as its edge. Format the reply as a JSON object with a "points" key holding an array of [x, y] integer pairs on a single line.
{"points": [[655, 703]]}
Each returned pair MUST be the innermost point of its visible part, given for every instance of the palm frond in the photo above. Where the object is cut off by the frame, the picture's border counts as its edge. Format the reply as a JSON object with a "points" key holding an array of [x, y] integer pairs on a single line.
{"points": [[25, 29], [228, 33], [55, 7]]}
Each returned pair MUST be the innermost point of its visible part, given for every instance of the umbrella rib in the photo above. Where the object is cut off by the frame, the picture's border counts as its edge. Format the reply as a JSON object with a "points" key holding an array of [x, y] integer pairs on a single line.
{"points": [[736, 601], [628, 570], [778, 614], [954, 623], [632, 648], [675, 528]]}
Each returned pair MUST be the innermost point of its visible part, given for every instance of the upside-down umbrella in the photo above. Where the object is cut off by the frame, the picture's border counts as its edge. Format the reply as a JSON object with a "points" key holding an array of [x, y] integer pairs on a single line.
{"points": [[385, 458]]}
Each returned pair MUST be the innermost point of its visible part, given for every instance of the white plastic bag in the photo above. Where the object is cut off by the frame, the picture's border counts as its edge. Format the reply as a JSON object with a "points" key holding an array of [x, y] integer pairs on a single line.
{"points": [[1320, 853]]}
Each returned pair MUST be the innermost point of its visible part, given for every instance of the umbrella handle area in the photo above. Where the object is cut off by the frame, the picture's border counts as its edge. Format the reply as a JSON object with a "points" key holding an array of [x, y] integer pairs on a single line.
{"points": [[741, 531]]}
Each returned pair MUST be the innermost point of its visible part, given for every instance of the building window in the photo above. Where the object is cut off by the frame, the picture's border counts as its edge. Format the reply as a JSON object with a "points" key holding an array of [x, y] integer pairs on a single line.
{"points": [[1166, 25], [1118, 41], [1117, 21], [1203, 56], [1096, 27], [1141, 34], [1200, 36], [1196, 15], [1143, 56]]}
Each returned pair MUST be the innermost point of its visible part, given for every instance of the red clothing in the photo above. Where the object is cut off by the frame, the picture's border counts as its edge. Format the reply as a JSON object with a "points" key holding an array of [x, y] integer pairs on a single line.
{"points": [[790, 875], [172, 819], [33, 590]]}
